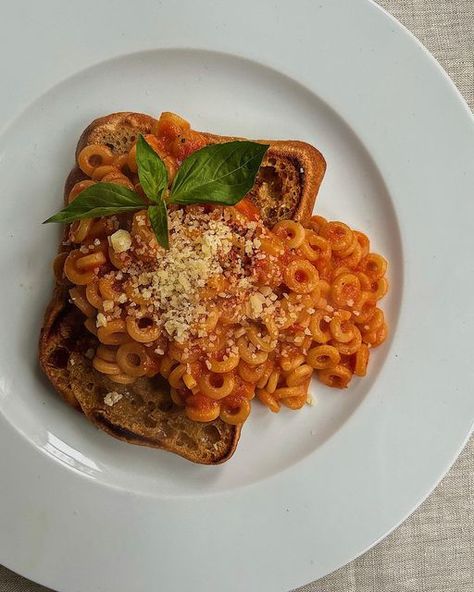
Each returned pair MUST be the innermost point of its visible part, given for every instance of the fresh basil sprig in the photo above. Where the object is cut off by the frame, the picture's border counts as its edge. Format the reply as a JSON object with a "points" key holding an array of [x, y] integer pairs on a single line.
{"points": [[151, 170], [159, 222], [218, 174], [221, 173], [101, 199]]}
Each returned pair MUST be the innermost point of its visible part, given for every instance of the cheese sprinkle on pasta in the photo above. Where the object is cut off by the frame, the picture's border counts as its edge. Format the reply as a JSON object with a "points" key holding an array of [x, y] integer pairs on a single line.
{"points": [[210, 257]]}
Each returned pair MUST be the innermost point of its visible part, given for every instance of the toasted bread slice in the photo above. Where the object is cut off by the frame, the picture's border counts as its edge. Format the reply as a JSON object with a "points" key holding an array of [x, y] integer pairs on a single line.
{"points": [[286, 187]]}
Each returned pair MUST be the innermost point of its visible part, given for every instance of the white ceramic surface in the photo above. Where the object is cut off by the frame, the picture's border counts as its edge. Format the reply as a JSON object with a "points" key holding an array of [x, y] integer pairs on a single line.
{"points": [[307, 491]]}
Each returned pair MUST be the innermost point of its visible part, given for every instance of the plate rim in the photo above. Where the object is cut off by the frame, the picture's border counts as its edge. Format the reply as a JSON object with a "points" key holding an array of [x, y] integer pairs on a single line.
{"points": [[446, 467]]}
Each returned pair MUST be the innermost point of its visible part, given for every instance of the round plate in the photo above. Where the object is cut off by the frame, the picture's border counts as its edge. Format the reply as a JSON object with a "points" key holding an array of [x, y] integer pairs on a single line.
{"points": [[305, 492]]}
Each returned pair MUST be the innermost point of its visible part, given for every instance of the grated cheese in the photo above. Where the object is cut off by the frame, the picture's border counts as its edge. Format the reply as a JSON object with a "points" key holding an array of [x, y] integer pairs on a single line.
{"points": [[111, 398], [204, 248], [120, 241], [108, 305], [101, 320], [256, 303]]}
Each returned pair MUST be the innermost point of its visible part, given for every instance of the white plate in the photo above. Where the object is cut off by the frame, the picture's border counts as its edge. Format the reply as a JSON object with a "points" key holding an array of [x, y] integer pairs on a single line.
{"points": [[305, 492]]}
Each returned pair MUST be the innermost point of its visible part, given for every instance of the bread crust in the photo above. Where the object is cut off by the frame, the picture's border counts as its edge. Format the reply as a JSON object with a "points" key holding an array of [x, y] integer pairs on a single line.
{"points": [[63, 331], [312, 165]]}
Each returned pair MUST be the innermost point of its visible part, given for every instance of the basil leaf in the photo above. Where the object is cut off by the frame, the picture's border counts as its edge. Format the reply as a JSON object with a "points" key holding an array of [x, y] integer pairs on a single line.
{"points": [[151, 170], [159, 222], [221, 173], [101, 199]]}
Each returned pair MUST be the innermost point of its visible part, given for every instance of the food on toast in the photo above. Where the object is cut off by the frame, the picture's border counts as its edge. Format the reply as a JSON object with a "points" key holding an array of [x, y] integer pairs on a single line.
{"points": [[192, 277]]}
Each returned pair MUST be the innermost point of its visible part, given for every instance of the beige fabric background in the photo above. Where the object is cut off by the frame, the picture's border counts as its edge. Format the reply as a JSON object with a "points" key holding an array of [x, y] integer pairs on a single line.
{"points": [[433, 551]]}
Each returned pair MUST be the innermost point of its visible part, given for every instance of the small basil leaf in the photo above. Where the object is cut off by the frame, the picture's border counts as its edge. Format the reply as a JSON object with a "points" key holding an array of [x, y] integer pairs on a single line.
{"points": [[151, 170], [159, 222], [221, 173], [101, 199]]}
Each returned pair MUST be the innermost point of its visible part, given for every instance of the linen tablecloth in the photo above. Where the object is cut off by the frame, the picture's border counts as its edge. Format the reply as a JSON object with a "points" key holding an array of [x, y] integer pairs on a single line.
{"points": [[432, 551]]}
